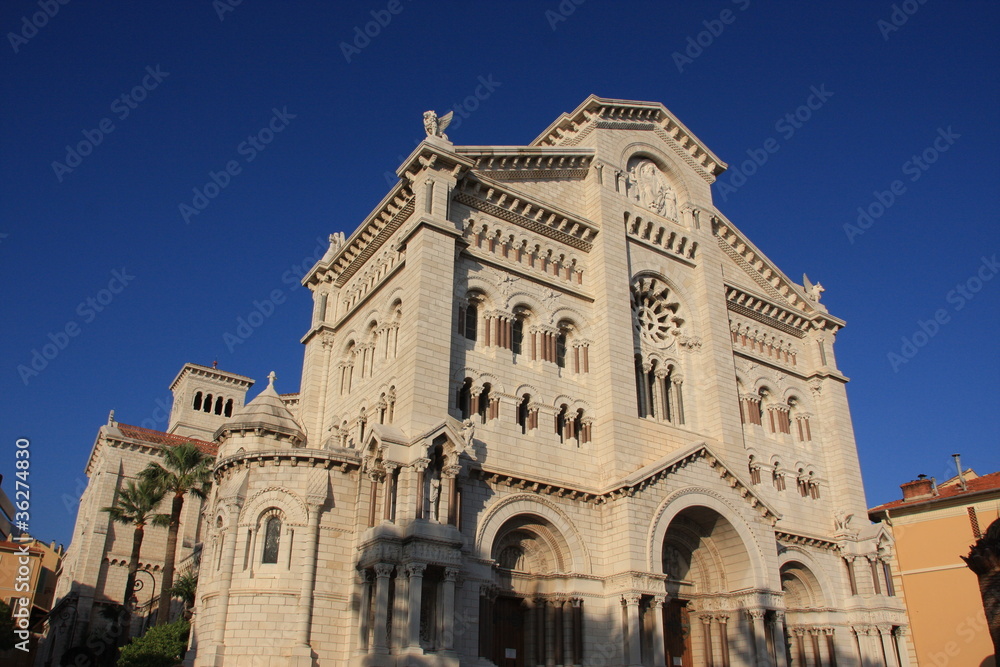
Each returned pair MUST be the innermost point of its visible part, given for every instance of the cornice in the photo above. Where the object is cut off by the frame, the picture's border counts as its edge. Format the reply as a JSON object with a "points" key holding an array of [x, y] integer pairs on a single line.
{"points": [[501, 201]]}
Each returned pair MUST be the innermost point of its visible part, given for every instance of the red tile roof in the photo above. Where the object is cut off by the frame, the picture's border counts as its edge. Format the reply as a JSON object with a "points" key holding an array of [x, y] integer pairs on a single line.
{"points": [[978, 485], [168, 439]]}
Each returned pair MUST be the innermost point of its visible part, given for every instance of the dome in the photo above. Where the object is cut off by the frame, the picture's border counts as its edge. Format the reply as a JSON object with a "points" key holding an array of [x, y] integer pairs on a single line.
{"points": [[266, 413]]}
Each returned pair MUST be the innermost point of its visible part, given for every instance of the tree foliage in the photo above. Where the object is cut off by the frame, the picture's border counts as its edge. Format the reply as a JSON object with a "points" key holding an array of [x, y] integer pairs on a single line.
{"points": [[162, 646], [984, 561], [185, 469]]}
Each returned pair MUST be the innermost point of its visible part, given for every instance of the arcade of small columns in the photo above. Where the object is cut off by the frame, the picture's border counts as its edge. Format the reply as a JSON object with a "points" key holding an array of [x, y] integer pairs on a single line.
{"points": [[384, 479], [553, 630], [404, 631]]}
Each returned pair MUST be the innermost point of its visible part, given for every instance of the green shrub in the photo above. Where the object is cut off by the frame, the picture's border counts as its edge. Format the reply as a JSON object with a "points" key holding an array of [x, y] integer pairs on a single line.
{"points": [[162, 646]]}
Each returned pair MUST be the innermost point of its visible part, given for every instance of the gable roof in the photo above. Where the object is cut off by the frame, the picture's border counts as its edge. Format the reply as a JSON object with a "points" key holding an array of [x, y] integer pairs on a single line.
{"points": [[594, 112]]}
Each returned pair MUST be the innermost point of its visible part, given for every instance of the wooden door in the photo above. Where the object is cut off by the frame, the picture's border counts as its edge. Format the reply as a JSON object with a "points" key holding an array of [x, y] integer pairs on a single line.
{"points": [[677, 634], [508, 632]]}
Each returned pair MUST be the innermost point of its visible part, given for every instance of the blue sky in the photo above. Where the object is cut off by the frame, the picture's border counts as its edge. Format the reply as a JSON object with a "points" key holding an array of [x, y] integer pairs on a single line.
{"points": [[97, 245]]}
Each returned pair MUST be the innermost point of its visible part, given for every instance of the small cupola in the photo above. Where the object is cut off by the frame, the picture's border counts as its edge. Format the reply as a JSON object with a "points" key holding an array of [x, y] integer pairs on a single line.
{"points": [[265, 423]]}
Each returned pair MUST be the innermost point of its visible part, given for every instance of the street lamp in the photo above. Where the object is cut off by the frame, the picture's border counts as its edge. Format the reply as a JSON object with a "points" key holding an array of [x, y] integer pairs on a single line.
{"points": [[138, 586]]}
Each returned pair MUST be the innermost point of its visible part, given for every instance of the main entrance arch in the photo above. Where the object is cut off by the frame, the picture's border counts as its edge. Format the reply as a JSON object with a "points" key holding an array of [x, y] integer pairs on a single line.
{"points": [[714, 575]]}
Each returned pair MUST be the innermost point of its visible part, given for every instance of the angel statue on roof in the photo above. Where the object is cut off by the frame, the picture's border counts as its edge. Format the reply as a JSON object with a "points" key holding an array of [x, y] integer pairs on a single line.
{"points": [[434, 126]]}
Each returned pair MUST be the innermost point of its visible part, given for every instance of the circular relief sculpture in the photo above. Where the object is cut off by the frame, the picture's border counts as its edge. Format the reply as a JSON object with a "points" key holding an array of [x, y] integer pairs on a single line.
{"points": [[655, 315]]}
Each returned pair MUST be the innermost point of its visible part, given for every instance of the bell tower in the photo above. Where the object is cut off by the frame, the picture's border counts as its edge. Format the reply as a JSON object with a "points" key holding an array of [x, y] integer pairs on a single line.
{"points": [[204, 398]]}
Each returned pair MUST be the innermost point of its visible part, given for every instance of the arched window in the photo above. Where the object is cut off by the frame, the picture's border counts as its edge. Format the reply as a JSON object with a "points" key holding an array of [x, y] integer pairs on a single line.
{"points": [[468, 319], [208, 403], [484, 403], [578, 429], [229, 408], [561, 349], [522, 412], [197, 401], [272, 539], [561, 422], [517, 335], [218, 405], [464, 399]]}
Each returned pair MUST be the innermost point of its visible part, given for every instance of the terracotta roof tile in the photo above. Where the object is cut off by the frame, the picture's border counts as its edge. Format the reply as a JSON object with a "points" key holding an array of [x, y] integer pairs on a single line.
{"points": [[168, 439], [977, 485]]}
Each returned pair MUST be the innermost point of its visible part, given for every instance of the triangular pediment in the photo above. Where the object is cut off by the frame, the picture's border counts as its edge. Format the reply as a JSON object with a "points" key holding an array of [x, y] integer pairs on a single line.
{"points": [[756, 287], [569, 129]]}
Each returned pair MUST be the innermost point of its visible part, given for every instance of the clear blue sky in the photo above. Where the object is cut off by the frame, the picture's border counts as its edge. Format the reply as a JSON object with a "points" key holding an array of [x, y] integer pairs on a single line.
{"points": [[211, 83]]}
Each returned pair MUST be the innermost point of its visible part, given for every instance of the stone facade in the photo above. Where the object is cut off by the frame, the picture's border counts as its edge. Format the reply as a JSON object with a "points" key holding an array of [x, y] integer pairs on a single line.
{"points": [[555, 409]]}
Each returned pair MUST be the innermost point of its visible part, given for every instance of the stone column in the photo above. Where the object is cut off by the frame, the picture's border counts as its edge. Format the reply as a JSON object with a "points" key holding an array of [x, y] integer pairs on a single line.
{"points": [[885, 633], [416, 572], [567, 647], [759, 638], [400, 609], [633, 631], [873, 566], [706, 623], [831, 648], [723, 620], [778, 634], [814, 637], [420, 465], [904, 651], [448, 604], [560, 633], [308, 575], [364, 630], [800, 645], [226, 573], [577, 631], [382, 573], [656, 608], [450, 473], [538, 622], [550, 633], [372, 497]]}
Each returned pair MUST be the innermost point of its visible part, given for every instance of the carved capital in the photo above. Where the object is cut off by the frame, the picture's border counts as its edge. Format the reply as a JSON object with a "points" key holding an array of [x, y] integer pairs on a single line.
{"points": [[416, 569], [451, 573], [755, 614], [383, 570]]}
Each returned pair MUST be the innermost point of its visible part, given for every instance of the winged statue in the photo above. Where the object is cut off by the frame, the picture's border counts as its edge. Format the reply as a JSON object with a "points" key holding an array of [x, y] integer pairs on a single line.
{"points": [[812, 291], [435, 126]]}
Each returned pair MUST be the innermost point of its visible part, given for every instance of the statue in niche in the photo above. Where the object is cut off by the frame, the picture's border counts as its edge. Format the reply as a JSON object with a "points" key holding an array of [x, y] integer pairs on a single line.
{"points": [[648, 186], [435, 498], [468, 437]]}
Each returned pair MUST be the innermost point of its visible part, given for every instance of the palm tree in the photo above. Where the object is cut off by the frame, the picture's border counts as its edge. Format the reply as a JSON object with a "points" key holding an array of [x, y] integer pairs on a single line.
{"points": [[185, 469], [135, 506], [185, 587], [984, 560]]}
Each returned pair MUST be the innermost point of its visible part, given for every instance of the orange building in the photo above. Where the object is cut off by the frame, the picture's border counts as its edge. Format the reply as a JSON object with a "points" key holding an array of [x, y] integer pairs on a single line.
{"points": [[933, 526]]}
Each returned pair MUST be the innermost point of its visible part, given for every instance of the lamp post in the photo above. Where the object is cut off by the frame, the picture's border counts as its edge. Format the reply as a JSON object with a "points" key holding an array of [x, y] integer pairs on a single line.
{"points": [[138, 586]]}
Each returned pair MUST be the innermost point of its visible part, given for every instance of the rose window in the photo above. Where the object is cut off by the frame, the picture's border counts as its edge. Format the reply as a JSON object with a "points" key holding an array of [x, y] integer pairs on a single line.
{"points": [[655, 315]]}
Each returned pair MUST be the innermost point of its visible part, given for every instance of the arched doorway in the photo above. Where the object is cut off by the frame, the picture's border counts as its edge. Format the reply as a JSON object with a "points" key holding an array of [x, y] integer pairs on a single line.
{"points": [[706, 561], [527, 619], [809, 641]]}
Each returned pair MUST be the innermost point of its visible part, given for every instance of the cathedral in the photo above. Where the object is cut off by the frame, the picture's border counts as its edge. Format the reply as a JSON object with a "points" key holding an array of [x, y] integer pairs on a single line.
{"points": [[555, 409]]}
